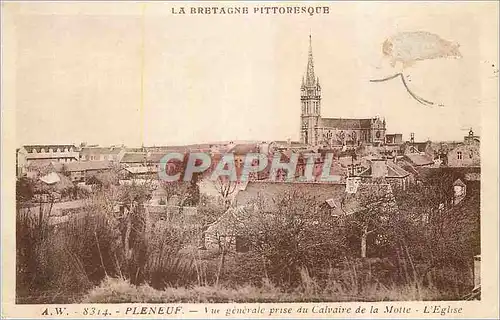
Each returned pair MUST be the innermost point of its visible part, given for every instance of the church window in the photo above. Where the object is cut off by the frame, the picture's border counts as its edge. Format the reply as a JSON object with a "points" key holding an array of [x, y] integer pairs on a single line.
{"points": [[459, 155], [378, 134]]}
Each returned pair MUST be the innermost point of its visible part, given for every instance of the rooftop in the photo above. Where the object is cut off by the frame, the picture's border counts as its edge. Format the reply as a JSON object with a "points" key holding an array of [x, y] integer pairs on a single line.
{"points": [[100, 150], [82, 166], [417, 159], [38, 147]]}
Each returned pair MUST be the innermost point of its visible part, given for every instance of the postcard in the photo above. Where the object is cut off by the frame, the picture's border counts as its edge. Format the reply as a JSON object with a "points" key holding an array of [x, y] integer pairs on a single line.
{"points": [[250, 159]]}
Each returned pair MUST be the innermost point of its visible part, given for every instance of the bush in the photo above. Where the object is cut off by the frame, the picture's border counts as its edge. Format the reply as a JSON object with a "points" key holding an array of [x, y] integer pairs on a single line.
{"points": [[47, 270]]}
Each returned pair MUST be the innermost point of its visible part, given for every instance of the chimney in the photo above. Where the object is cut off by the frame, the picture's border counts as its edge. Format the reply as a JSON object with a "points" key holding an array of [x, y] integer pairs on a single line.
{"points": [[379, 168]]}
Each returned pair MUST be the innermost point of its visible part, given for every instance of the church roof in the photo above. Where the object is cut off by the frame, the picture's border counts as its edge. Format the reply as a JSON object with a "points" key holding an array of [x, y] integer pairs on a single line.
{"points": [[345, 124]]}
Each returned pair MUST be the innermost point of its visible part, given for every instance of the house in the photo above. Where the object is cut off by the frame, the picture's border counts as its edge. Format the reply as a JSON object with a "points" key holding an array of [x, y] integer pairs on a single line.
{"points": [[240, 151], [278, 145], [464, 155], [388, 171], [351, 166], [134, 159], [113, 154], [81, 171], [132, 173], [427, 148], [28, 154], [153, 160], [39, 168], [393, 138], [52, 186]]}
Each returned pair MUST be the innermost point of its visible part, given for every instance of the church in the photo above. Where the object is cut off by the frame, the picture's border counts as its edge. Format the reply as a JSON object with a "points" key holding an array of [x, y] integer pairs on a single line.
{"points": [[332, 132]]}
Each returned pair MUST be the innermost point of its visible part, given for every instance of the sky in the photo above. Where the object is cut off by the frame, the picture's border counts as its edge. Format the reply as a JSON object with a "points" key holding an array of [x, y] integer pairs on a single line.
{"points": [[135, 73]]}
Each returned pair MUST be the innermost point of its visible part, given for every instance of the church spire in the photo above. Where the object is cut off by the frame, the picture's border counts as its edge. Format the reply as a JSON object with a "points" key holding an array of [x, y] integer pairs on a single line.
{"points": [[310, 78]]}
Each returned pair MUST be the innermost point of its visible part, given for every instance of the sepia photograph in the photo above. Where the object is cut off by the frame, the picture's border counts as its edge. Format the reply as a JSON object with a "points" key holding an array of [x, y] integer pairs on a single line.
{"points": [[258, 153]]}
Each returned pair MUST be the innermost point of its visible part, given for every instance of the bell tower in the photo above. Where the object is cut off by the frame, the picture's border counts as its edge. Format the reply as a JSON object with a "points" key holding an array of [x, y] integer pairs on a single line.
{"points": [[310, 99]]}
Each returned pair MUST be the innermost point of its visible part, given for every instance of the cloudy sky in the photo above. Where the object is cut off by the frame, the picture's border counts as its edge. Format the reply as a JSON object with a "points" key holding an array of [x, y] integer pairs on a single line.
{"points": [[112, 73]]}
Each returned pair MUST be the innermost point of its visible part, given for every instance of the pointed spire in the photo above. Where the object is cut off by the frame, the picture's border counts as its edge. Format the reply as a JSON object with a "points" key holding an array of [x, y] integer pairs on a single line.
{"points": [[310, 78]]}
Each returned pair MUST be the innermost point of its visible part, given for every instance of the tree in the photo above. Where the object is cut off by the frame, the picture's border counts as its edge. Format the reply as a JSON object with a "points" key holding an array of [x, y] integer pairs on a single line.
{"points": [[372, 212], [188, 192], [440, 234], [130, 225], [24, 189], [226, 188], [105, 178], [208, 213], [290, 232]]}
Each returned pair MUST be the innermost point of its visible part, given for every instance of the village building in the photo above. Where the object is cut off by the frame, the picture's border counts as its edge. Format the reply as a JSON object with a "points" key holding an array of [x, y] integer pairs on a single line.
{"points": [[394, 138], [412, 147], [40, 168], [30, 154], [388, 172], [81, 171], [133, 159], [466, 154], [145, 165], [113, 154], [138, 173]]}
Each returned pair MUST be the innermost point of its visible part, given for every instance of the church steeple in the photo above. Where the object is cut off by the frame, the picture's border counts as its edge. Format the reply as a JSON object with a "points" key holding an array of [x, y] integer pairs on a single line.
{"points": [[310, 78], [310, 99]]}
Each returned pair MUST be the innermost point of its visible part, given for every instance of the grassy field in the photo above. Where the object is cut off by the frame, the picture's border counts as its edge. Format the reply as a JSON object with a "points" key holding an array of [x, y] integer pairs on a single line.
{"points": [[120, 291]]}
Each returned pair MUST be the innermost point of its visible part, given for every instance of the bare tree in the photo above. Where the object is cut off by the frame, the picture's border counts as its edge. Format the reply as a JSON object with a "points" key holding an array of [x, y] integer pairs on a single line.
{"points": [[371, 211], [225, 188], [289, 232]]}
